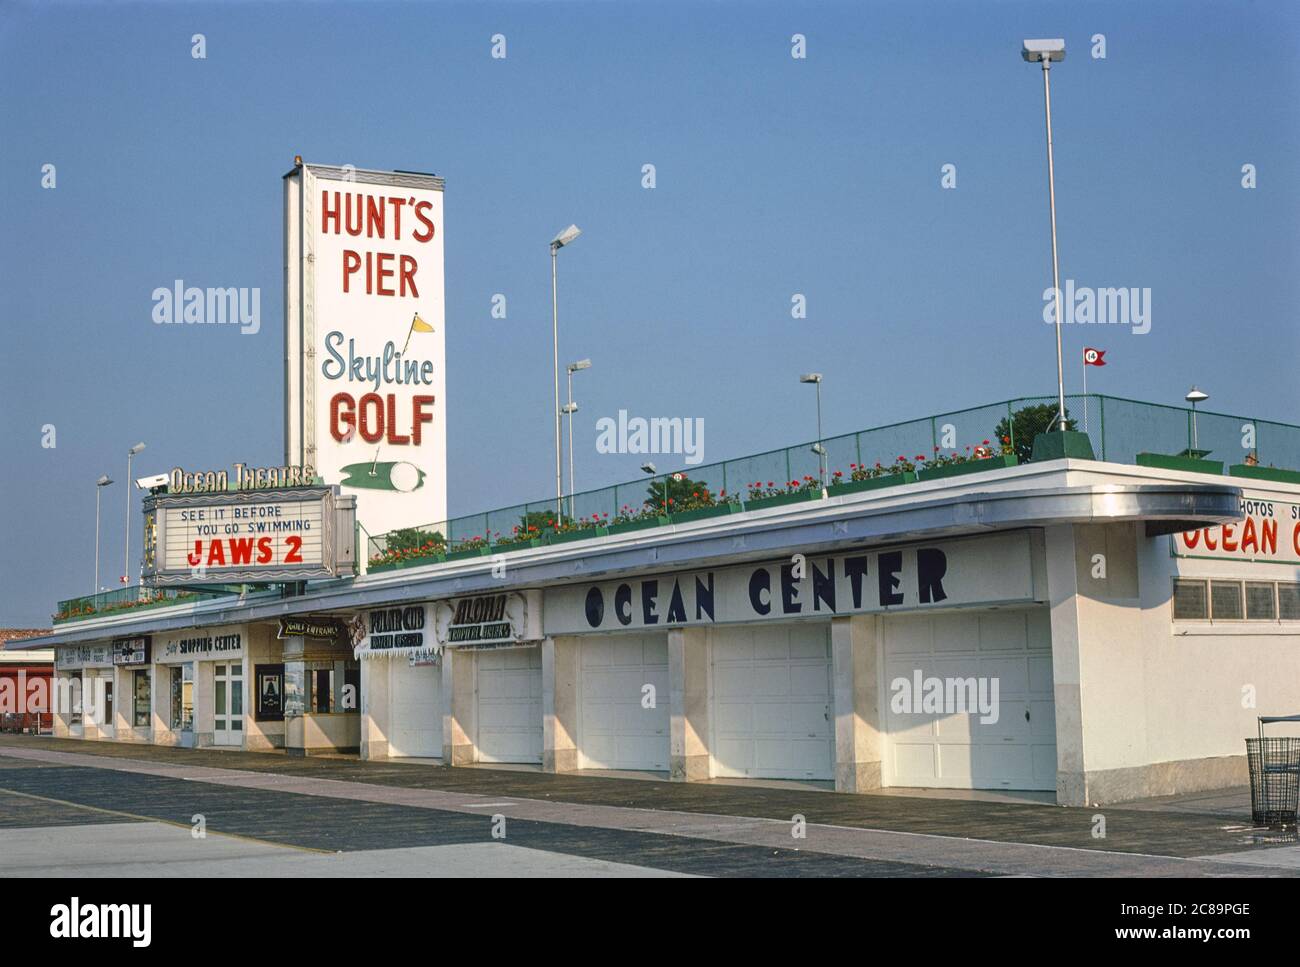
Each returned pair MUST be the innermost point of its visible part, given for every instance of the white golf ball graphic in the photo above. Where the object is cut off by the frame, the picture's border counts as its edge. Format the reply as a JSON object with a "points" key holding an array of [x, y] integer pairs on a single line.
{"points": [[405, 477]]}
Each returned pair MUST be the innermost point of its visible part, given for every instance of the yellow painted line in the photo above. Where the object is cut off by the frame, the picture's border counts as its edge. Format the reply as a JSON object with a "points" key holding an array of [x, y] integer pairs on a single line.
{"points": [[165, 822]]}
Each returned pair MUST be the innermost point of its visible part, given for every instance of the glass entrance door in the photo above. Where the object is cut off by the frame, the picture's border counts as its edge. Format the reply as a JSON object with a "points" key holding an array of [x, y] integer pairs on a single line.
{"points": [[228, 704], [106, 727]]}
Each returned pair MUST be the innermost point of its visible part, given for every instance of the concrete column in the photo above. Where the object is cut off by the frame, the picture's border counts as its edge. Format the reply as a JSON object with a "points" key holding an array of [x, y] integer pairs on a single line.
{"points": [[460, 705], [204, 707], [376, 710], [688, 710], [92, 704], [161, 719], [65, 692], [560, 658], [1063, 595], [859, 729], [123, 702]]}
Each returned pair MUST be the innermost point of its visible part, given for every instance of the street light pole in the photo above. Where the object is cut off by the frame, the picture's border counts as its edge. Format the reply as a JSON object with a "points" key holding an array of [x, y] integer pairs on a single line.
{"points": [[1195, 396], [570, 409], [819, 448], [557, 243], [126, 555], [555, 343], [100, 484], [1044, 52]]}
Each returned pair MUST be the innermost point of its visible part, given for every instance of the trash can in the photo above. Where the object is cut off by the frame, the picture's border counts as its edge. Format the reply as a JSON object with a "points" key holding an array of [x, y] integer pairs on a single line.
{"points": [[1274, 775]]}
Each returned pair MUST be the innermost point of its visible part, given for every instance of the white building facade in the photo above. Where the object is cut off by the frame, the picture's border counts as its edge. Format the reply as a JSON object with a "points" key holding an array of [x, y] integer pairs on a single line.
{"points": [[1103, 631]]}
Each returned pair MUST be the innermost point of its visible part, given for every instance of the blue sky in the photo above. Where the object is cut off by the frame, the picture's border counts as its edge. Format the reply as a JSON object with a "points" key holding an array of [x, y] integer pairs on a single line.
{"points": [[775, 176]]}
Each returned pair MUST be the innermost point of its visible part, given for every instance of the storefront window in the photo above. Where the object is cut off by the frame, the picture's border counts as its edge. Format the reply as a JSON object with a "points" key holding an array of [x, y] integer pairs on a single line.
{"points": [[75, 691], [143, 705], [182, 689], [352, 689], [295, 689], [322, 690]]}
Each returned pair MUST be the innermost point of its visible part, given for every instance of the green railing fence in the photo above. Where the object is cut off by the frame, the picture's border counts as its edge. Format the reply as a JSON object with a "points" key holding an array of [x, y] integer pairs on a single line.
{"points": [[1118, 428], [131, 598]]}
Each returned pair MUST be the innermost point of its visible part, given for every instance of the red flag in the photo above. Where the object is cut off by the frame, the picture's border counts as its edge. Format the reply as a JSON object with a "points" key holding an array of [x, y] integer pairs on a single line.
{"points": [[1092, 357]]}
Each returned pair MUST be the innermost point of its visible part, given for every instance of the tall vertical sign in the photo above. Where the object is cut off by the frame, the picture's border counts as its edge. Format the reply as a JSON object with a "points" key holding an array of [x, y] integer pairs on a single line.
{"points": [[365, 378]]}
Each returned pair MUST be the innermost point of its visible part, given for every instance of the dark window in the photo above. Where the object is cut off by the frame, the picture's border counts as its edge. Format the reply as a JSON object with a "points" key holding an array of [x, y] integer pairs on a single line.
{"points": [[1189, 601], [323, 691], [143, 705], [1260, 601], [1225, 601], [351, 697], [1288, 602]]}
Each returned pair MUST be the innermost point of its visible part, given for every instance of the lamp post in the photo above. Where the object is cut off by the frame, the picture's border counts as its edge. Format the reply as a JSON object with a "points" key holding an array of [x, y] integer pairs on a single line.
{"points": [[557, 243], [818, 448], [649, 468], [570, 409], [100, 484], [126, 556], [1195, 396], [1045, 52]]}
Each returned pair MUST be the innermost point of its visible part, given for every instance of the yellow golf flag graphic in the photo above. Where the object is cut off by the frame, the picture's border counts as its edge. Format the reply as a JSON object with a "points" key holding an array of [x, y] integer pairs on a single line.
{"points": [[395, 476]]}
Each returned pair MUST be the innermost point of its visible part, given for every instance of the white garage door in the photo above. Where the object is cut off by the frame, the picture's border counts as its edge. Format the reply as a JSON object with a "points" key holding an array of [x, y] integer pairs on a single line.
{"points": [[415, 703], [941, 746], [770, 702], [616, 730], [510, 705]]}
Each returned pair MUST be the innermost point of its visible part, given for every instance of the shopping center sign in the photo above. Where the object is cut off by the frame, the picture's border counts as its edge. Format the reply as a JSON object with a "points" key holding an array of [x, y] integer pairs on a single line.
{"points": [[365, 374], [291, 534]]}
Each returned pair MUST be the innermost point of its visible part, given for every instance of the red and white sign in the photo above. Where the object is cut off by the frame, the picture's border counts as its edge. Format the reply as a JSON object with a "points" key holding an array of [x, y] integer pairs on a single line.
{"points": [[271, 534], [1093, 357], [1268, 531], [366, 374]]}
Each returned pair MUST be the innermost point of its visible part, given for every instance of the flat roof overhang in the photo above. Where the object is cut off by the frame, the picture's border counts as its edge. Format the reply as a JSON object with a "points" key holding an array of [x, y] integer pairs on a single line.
{"points": [[1039, 495]]}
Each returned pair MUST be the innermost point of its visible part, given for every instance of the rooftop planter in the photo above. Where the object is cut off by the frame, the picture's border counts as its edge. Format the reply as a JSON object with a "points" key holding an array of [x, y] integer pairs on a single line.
{"points": [[723, 509], [418, 561], [780, 500], [1264, 473], [794, 492], [518, 545], [473, 548], [639, 523], [1164, 461], [872, 483], [579, 534], [999, 461]]}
